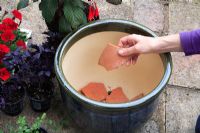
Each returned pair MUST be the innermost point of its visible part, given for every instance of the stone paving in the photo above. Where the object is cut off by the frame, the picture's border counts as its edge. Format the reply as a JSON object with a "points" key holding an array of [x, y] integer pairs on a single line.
{"points": [[179, 103]]}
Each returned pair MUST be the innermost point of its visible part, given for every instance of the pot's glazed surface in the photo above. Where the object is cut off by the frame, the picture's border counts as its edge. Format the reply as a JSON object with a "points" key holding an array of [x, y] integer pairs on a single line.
{"points": [[99, 117]]}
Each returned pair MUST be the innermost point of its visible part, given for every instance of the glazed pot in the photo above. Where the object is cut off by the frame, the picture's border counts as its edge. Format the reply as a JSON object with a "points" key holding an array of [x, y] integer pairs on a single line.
{"points": [[98, 117]]}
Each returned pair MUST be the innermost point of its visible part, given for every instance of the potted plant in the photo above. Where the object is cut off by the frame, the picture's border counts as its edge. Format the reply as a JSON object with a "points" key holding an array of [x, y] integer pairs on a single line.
{"points": [[24, 127], [12, 46], [13, 90], [12, 93], [39, 125], [12, 98], [37, 72], [65, 15]]}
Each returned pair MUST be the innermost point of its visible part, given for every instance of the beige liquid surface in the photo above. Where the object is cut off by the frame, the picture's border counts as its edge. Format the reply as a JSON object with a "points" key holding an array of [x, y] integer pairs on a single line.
{"points": [[80, 66]]}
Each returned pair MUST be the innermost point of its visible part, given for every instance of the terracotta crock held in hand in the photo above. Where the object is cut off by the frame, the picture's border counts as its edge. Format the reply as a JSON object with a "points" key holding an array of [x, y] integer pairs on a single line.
{"points": [[110, 59]]}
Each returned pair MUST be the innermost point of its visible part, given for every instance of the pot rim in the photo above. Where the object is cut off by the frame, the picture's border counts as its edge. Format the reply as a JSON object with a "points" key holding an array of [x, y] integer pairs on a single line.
{"points": [[37, 100], [87, 101], [45, 99], [14, 103]]}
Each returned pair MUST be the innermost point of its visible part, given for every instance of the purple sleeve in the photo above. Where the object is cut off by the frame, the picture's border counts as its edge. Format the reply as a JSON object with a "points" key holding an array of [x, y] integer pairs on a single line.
{"points": [[190, 42]]}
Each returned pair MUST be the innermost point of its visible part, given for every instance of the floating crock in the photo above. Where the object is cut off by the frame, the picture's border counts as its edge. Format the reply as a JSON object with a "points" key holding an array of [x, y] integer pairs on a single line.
{"points": [[96, 117]]}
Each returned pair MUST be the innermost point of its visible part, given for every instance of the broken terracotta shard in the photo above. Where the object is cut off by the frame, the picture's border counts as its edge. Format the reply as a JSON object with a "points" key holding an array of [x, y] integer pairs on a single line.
{"points": [[110, 59], [95, 91], [117, 96]]}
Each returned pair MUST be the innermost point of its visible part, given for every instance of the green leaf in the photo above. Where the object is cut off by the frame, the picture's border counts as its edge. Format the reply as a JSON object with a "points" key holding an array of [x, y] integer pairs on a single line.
{"points": [[13, 47], [22, 4], [38, 122], [68, 12], [78, 3], [48, 8], [84, 18], [74, 15], [67, 1], [80, 16], [64, 26]]}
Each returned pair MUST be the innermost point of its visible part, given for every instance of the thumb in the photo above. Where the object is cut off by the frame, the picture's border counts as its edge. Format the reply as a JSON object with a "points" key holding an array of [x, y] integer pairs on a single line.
{"points": [[127, 51]]}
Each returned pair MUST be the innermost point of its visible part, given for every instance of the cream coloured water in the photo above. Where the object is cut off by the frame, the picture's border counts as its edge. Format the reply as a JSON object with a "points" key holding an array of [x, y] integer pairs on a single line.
{"points": [[80, 66]]}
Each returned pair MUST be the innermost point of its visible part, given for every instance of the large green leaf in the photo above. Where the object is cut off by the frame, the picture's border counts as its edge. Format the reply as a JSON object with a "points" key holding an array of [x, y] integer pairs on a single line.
{"points": [[79, 16], [64, 26], [84, 18], [66, 1], [69, 13], [78, 3], [22, 4], [48, 8], [74, 15]]}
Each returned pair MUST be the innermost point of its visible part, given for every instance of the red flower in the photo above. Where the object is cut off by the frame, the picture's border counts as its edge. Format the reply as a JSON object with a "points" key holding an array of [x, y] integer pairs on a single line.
{"points": [[11, 25], [17, 14], [8, 35], [96, 11], [21, 43], [93, 12], [3, 51], [4, 74], [4, 48], [2, 27]]}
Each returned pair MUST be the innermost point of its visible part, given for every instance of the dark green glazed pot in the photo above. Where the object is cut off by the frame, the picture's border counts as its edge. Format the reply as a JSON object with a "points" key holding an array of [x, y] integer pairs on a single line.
{"points": [[97, 117]]}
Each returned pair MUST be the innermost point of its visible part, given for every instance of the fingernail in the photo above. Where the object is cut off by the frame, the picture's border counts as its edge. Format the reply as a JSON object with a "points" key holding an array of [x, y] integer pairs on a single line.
{"points": [[121, 51]]}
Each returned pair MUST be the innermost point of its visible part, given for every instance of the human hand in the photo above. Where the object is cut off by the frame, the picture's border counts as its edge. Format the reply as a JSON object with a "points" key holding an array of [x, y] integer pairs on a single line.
{"points": [[134, 45]]}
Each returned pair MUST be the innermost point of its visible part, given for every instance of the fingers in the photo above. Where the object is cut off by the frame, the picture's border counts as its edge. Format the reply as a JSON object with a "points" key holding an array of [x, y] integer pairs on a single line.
{"points": [[127, 51], [128, 47], [132, 61], [129, 40], [124, 41]]}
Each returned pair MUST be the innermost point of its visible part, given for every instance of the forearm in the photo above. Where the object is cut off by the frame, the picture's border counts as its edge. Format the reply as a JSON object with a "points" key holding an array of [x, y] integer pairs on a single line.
{"points": [[169, 43], [188, 42]]}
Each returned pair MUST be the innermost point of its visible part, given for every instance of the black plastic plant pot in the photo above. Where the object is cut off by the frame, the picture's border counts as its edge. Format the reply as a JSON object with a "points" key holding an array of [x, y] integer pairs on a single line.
{"points": [[40, 105], [14, 109]]}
